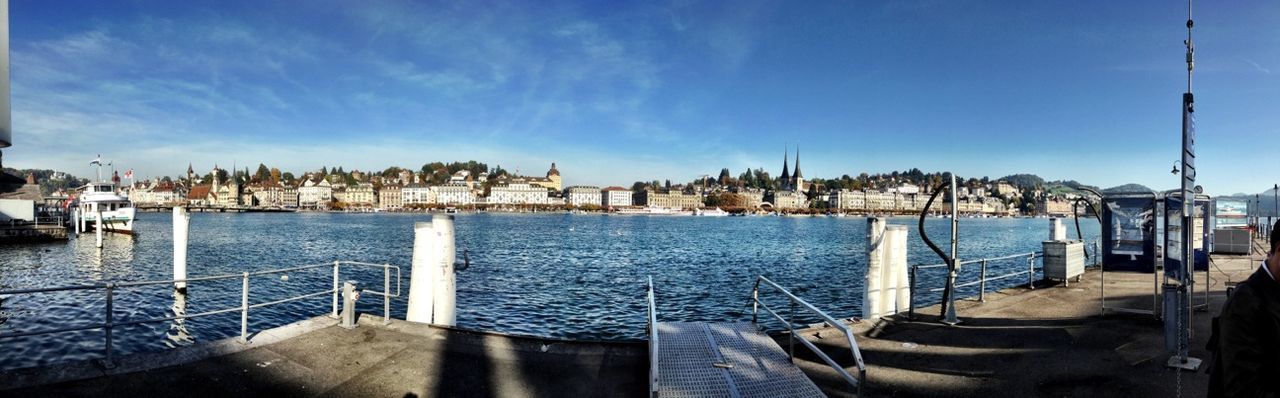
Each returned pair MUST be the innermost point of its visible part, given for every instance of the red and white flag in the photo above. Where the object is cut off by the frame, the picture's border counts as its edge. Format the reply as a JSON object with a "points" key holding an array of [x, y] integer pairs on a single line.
{"points": [[128, 174]]}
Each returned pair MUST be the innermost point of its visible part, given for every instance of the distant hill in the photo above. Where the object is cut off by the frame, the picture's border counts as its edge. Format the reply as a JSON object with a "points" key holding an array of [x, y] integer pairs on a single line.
{"points": [[1267, 199], [1024, 181], [1128, 188], [49, 180]]}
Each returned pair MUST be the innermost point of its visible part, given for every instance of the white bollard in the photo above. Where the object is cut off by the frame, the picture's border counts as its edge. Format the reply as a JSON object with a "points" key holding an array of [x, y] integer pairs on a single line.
{"points": [[421, 277], [181, 226], [899, 287], [1057, 230], [873, 281], [97, 230], [446, 292]]}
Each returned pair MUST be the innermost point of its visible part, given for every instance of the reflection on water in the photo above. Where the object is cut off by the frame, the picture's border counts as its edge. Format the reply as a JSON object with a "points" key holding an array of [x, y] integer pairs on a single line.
{"points": [[178, 334], [555, 275]]}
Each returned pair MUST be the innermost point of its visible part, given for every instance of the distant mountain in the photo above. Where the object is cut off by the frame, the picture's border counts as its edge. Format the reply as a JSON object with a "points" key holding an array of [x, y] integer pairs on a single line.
{"points": [[1267, 199], [1128, 188]]}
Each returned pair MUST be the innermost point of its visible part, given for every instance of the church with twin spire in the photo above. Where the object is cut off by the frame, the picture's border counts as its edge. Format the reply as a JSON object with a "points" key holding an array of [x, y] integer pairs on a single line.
{"points": [[791, 186]]}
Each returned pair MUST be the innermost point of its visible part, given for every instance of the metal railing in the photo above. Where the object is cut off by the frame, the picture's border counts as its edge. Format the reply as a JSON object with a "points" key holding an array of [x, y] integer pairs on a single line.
{"points": [[653, 343], [981, 282], [109, 322], [756, 304]]}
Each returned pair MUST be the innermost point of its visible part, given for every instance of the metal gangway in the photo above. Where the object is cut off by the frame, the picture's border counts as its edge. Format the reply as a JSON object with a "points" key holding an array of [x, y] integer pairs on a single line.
{"points": [[737, 359]]}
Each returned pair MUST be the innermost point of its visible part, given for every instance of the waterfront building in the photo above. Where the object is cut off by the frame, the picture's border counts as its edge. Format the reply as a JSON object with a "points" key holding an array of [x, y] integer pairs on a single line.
{"points": [[199, 195], [266, 194], [417, 194], [361, 195], [289, 196], [158, 193], [389, 197], [787, 199], [845, 199], [228, 195], [455, 194], [1054, 206], [551, 181], [615, 197], [340, 194], [315, 195], [674, 199], [579, 196], [518, 191]]}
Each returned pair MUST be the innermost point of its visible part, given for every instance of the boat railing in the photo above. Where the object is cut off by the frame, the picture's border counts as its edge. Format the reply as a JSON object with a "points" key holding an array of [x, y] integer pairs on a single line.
{"points": [[109, 312], [757, 304], [981, 281]]}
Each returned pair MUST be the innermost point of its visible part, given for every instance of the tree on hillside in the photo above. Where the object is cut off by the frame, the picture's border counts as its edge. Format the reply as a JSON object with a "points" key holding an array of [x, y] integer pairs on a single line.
{"points": [[288, 177], [274, 175], [263, 174], [724, 177]]}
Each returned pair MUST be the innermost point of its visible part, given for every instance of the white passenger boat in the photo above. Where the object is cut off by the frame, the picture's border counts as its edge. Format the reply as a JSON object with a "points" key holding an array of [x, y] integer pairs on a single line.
{"points": [[101, 200]]}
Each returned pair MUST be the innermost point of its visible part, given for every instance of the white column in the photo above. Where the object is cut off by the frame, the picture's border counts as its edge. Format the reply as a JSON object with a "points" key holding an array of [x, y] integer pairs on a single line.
{"points": [[181, 226], [873, 289], [898, 288], [98, 226], [422, 274], [446, 293], [1057, 230]]}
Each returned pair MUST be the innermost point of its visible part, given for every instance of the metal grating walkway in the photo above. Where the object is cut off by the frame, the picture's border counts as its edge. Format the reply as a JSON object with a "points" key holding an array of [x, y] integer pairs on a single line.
{"points": [[697, 359]]}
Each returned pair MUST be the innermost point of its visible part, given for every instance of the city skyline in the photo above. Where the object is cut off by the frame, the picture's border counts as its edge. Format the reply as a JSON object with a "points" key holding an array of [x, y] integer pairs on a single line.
{"points": [[639, 92]]}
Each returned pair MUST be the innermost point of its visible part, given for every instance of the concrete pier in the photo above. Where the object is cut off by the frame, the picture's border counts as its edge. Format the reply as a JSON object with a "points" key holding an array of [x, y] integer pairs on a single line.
{"points": [[402, 359], [1051, 341]]}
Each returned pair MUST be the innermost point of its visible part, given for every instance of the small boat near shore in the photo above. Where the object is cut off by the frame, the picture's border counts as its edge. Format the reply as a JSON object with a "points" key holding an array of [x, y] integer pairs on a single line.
{"points": [[718, 212]]}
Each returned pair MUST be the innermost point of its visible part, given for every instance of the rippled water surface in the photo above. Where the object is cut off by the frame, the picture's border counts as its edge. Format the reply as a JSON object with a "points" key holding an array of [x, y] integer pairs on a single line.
{"points": [[554, 275]]}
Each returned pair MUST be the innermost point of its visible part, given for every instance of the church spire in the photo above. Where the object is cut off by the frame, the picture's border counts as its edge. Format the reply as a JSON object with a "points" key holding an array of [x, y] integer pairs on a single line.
{"points": [[797, 174], [786, 175]]}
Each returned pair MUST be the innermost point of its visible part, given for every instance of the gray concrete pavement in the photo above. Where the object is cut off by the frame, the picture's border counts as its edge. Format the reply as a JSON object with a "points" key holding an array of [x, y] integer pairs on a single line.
{"points": [[399, 360], [1052, 341]]}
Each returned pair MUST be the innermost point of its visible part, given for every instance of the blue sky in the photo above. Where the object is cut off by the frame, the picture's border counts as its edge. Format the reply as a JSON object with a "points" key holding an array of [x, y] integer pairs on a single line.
{"points": [[615, 92]]}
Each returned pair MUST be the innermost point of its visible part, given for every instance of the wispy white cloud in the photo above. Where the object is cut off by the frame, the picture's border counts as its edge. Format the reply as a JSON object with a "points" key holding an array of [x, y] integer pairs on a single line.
{"points": [[1257, 66]]}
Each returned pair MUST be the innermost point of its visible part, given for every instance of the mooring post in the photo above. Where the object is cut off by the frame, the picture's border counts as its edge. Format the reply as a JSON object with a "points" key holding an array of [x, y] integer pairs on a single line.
{"points": [[445, 303], [181, 224], [244, 308], [982, 282], [873, 287], [422, 276], [334, 315], [98, 230]]}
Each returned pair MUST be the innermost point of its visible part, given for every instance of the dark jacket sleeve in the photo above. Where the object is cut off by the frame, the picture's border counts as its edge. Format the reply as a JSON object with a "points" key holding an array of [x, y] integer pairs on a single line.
{"points": [[1241, 348]]}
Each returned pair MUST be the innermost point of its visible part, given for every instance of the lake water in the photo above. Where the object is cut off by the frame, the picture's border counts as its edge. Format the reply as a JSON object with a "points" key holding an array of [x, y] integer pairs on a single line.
{"points": [[551, 275]]}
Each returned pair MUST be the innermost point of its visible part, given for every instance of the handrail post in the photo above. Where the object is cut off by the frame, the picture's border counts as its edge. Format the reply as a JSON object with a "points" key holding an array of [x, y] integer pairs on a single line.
{"points": [[982, 283], [911, 305], [791, 326], [1031, 271], [110, 320], [244, 308], [386, 294], [755, 303], [334, 315]]}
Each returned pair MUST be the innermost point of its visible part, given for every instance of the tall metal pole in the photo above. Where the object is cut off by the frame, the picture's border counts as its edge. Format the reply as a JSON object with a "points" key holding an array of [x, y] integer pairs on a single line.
{"points": [[954, 267], [1177, 296]]}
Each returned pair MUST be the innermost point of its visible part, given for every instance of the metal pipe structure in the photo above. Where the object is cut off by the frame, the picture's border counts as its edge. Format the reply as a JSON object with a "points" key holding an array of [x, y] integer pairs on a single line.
{"points": [[929, 242], [1179, 281]]}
